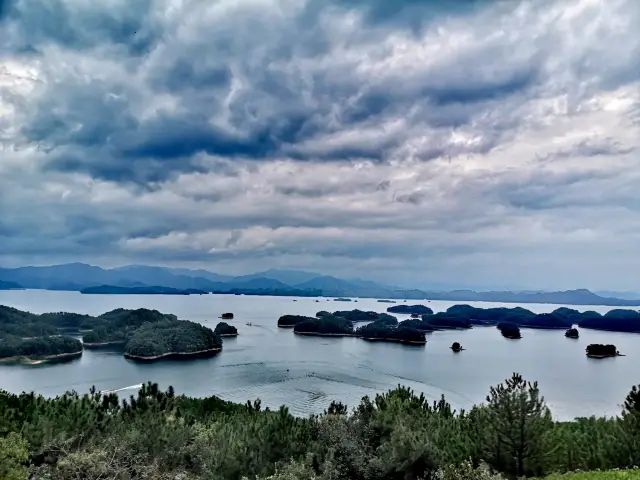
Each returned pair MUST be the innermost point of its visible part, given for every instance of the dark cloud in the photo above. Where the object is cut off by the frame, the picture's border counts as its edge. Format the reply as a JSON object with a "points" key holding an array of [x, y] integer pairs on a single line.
{"points": [[78, 25], [402, 137]]}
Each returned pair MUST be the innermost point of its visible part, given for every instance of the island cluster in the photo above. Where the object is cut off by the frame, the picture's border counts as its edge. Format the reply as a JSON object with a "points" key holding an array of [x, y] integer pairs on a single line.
{"points": [[147, 335], [141, 334]]}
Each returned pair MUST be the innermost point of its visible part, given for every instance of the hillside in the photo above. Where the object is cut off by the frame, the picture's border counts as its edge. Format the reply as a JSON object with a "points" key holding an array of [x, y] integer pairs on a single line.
{"points": [[87, 278]]}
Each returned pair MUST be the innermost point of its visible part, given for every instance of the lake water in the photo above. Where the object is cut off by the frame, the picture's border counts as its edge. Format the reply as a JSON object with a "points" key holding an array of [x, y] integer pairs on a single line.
{"points": [[307, 373]]}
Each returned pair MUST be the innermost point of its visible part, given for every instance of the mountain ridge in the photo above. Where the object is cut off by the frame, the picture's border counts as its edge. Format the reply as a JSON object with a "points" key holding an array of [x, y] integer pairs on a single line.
{"points": [[136, 278]]}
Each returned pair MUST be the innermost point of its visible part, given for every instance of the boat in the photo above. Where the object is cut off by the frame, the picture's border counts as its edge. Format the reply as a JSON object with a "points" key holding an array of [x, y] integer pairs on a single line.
{"points": [[249, 323]]}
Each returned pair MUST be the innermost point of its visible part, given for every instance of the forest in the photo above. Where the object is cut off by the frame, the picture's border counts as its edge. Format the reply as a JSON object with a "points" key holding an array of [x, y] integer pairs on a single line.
{"points": [[171, 337], [39, 347], [225, 330], [397, 435]]}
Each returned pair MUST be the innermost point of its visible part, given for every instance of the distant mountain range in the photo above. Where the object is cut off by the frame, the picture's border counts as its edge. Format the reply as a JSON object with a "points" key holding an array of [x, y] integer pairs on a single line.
{"points": [[142, 279]]}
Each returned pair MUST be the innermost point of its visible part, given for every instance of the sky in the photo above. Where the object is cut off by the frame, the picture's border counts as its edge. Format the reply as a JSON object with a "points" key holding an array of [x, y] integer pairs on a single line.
{"points": [[467, 143]]}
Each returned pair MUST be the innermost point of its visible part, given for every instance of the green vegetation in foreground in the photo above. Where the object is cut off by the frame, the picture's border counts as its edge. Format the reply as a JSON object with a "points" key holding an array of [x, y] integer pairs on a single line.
{"points": [[606, 475], [397, 435]]}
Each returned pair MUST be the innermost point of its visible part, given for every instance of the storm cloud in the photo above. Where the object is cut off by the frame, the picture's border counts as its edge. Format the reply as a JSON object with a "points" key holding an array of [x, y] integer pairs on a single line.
{"points": [[490, 144]]}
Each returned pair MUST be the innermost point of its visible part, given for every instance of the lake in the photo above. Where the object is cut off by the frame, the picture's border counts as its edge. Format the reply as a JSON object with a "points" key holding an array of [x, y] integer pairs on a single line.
{"points": [[307, 373]]}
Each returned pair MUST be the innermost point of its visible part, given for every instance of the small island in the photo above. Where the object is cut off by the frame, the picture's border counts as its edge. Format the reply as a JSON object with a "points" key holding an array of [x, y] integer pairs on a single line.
{"points": [[386, 301], [227, 316], [456, 347], [409, 309], [509, 330], [328, 326], [37, 350], [290, 321], [172, 339], [572, 333], [596, 350], [341, 299], [362, 316], [382, 332], [225, 330]]}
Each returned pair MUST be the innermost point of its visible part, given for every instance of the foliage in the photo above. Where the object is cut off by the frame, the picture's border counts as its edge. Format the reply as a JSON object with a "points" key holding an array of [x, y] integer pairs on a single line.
{"points": [[289, 321], [597, 350], [383, 331], [38, 347], [572, 333], [224, 329], [14, 453], [325, 326], [361, 316], [509, 330], [168, 336], [408, 309], [397, 435]]}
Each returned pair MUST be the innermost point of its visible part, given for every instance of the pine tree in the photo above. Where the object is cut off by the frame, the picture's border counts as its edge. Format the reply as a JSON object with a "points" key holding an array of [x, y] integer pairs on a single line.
{"points": [[519, 418]]}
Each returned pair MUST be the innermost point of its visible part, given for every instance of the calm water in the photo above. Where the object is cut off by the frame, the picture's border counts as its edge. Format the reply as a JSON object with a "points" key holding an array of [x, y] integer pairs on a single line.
{"points": [[306, 373]]}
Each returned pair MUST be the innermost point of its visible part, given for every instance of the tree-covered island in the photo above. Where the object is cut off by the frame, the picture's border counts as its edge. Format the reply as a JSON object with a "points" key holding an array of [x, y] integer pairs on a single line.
{"points": [[225, 330], [29, 338], [572, 333], [596, 350], [509, 330], [142, 334], [327, 326], [381, 331], [172, 339], [409, 309], [290, 321]]}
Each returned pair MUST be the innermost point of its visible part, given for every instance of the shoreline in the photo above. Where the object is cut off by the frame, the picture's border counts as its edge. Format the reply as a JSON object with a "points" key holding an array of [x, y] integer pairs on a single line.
{"points": [[104, 344], [314, 334], [176, 355], [25, 360], [393, 340], [228, 335]]}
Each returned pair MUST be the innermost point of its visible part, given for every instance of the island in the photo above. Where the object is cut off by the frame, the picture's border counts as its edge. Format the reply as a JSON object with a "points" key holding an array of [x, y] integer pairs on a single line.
{"points": [[342, 299], [597, 350], [328, 326], [31, 339], [382, 332], [456, 347], [115, 328], [617, 320], [37, 350], [509, 330], [409, 309], [225, 330], [386, 301], [227, 316], [172, 339], [290, 321], [362, 316], [572, 333]]}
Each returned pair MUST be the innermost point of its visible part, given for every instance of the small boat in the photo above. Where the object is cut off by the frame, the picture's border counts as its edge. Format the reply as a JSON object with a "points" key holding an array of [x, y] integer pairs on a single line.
{"points": [[249, 323]]}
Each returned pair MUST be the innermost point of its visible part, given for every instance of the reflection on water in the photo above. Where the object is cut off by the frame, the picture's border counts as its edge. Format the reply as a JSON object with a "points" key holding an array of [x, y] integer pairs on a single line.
{"points": [[307, 373]]}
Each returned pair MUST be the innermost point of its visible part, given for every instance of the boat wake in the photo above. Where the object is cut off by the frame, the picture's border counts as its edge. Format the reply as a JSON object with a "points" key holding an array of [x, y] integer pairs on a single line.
{"points": [[116, 390]]}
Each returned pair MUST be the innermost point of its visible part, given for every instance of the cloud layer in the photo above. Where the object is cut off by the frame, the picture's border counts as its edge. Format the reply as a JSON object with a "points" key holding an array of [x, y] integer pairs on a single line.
{"points": [[495, 144]]}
